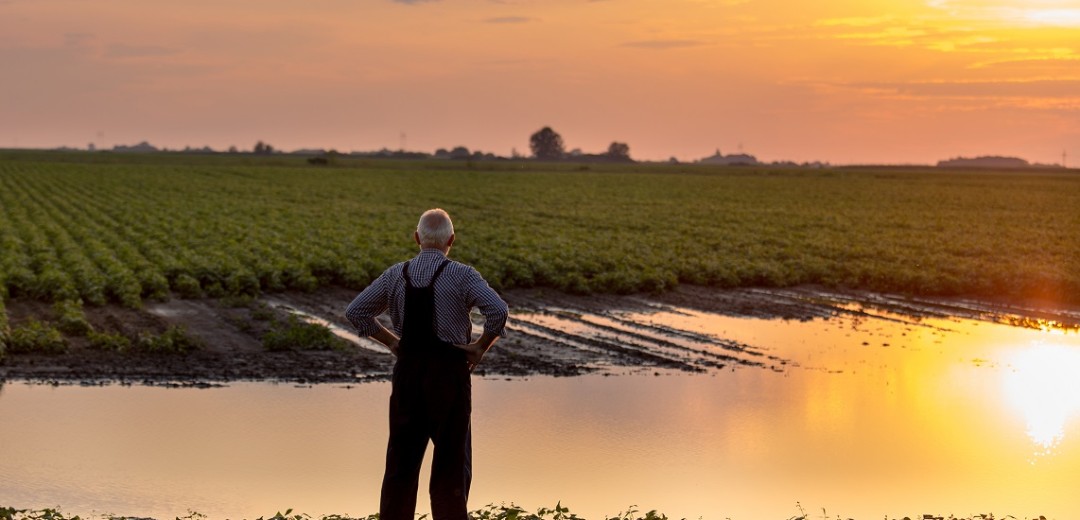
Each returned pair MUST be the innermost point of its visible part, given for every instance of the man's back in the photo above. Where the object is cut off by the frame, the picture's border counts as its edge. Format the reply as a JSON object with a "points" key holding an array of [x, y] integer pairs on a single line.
{"points": [[459, 289]]}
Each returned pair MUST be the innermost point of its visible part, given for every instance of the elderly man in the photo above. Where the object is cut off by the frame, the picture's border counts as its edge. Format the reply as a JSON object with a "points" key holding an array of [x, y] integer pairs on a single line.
{"points": [[429, 299]]}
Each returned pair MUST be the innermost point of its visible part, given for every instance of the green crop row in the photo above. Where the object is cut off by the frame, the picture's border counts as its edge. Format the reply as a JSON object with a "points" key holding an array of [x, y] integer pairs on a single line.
{"points": [[130, 229]]}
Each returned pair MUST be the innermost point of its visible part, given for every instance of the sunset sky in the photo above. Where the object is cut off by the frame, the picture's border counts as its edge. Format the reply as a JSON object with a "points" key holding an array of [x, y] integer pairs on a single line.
{"points": [[845, 81]]}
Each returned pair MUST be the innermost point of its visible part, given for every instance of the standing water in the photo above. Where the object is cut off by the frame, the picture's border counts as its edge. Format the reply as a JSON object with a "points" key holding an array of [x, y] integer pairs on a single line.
{"points": [[863, 414]]}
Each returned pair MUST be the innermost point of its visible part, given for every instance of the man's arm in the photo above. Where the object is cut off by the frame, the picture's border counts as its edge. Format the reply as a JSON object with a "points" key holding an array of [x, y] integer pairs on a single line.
{"points": [[480, 295], [387, 338], [371, 302]]}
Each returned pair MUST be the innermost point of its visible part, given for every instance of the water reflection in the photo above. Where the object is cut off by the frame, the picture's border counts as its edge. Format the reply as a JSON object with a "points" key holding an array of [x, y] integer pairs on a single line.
{"points": [[875, 414], [1041, 384]]}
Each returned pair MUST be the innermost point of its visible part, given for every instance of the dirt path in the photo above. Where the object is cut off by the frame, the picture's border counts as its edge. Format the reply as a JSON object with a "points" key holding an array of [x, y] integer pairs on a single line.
{"points": [[549, 333]]}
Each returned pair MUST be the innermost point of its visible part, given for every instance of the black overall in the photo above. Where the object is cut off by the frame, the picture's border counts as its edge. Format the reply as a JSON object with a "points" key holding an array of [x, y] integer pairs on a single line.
{"points": [[431, 399]]}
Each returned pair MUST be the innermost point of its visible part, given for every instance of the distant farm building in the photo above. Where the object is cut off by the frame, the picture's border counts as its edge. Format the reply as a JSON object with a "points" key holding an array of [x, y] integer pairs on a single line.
{"points": [[735, 159]]}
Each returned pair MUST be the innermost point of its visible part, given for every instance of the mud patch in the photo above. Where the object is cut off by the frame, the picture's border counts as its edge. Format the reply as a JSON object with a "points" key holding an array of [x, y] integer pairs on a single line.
{"points": [[549, 333]]}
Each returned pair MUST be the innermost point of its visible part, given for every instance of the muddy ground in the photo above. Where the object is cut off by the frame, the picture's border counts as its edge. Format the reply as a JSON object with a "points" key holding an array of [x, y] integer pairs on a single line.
{"points": [[548, 333]]}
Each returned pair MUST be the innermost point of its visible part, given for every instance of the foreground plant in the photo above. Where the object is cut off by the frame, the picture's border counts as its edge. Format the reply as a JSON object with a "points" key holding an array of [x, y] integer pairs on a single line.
{"points": [[297, 334], [489, 512]]}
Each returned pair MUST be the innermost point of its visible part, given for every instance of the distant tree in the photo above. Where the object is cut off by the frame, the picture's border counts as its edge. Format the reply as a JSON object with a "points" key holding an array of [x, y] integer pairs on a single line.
{"points": [[460, 152], [618, 151], [546, 145], [232, 149], [262, 148]]}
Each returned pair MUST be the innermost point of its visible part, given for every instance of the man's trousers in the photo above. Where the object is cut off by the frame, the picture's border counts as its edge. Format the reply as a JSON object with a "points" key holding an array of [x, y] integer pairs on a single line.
{"points": [[431, 399]]}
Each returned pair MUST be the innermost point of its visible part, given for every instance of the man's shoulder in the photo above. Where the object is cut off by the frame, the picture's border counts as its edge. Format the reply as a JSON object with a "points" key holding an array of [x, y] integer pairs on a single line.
{"points": [[461, 268], [394, 269]]}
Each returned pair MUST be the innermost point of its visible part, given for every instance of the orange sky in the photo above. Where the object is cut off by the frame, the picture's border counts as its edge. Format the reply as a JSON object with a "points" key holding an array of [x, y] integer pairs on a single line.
{"points": [[892, 81]]}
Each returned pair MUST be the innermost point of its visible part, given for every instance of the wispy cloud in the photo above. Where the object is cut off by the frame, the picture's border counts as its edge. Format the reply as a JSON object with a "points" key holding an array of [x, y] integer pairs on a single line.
{"points": [[967, 96], [915, 32], [860, 21], [77, 39], [120, 50], [967, 89], [674, 43], [1053, 13], [1050, 64], [510, 19]]}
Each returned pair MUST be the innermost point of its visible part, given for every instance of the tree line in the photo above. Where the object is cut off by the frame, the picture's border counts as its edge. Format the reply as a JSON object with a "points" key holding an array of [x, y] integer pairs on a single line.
{"points": [[547, 145]]}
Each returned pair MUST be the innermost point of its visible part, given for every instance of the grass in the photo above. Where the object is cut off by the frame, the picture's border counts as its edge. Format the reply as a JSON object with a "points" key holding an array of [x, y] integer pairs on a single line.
{"points": [[296, 334], [127, 228], [175, 340]]}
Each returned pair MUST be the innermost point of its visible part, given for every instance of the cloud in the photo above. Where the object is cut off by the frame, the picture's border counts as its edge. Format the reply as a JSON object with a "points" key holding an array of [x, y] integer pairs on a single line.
{"points": [[77, 39], [892, 32], [120, 50], [1048, 65], [1053, 13], [673, 43], [510, 19], [968, 96], [858, 21], [994, 89]]}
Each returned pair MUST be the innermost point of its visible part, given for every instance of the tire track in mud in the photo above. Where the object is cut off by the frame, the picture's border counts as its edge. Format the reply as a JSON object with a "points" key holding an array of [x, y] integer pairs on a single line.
{"points": [[616, 350], [566, 340], [704, 339], [645, 341]]}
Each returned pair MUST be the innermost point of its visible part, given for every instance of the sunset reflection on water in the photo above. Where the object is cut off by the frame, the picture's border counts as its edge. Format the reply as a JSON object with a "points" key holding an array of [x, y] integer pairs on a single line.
{"points": [[1042, 384], [872, 415]]}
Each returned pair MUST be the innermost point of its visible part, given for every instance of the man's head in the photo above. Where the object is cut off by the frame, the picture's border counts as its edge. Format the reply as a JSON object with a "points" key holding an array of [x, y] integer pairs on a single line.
{"points": [[435, 230]]}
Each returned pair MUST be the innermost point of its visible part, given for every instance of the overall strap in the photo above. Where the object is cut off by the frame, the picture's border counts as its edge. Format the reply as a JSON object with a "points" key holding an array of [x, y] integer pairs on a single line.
{"points": [[405, 273], [438, 271]]}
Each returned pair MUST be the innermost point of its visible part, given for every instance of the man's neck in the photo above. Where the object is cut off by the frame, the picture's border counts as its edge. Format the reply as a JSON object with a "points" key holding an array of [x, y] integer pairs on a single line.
{"points": [[441, 251]]}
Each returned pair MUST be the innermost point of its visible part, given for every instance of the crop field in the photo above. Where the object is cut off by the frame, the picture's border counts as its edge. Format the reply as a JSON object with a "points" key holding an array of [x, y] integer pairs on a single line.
{"points": [[111, 228]]}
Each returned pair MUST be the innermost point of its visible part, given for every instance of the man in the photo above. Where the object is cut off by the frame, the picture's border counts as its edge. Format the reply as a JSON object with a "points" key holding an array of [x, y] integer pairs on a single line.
{"points": [[429, 299]]}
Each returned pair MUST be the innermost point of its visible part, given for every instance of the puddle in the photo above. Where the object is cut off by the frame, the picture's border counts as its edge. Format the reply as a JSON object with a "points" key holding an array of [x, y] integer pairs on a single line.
{"points": [[869, 406]]}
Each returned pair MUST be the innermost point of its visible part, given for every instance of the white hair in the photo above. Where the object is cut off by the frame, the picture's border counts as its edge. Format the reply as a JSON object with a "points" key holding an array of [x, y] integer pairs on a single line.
{"points": [[435, 228]]}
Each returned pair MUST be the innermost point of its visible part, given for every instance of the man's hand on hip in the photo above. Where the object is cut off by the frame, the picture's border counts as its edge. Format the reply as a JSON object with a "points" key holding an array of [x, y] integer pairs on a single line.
{"points": [[475, 351], [387, 338]]}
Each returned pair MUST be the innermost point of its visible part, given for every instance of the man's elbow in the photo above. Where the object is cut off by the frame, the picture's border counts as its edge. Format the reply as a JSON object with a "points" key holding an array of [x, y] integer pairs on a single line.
{"points": [[359, 320]]}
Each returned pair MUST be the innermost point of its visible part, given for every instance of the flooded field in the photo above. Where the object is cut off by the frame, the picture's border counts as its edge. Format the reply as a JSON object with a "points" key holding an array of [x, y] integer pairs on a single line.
{"points": [[697, 403]]}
